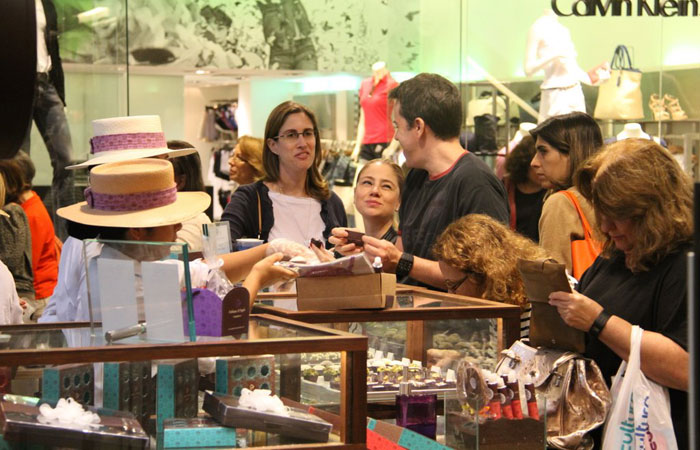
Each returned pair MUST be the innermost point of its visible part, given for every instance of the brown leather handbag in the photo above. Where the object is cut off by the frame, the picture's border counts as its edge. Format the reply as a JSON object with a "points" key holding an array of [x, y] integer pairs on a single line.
{"points": [[547, 328], [577, 398]]}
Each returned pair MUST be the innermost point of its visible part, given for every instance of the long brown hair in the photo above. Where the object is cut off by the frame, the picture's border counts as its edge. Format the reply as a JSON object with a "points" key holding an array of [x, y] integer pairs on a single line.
{"points": [[316, 185], [575, 134], [480, 245], [638, 180]]}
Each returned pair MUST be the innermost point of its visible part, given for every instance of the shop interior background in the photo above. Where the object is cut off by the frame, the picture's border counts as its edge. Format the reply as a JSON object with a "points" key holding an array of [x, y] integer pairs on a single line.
{"points": [[174, 58]]}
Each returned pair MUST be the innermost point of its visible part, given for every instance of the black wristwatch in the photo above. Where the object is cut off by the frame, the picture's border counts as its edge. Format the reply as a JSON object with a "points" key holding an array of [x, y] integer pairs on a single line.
{"points": [[599, 323], [403, 268]]}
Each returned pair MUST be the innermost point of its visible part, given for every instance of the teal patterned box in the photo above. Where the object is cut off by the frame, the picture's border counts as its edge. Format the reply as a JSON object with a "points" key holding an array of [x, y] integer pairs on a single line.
{"points": [[197, 433]]}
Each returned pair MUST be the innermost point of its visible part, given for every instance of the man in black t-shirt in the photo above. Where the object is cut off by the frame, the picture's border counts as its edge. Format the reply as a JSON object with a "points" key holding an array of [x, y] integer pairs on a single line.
{"points": [[444, 184]]}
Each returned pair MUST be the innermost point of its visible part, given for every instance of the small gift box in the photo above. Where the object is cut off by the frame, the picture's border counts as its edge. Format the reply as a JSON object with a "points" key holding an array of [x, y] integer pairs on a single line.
{"points": [[216, 317]]}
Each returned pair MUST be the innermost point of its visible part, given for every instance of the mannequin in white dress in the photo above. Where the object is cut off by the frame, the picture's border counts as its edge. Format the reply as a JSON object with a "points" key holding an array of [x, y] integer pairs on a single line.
{"points": [[550, 48]]}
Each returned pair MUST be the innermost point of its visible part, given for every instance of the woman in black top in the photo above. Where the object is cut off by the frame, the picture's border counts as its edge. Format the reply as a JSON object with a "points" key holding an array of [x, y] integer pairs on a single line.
{"points": [[644, 202], [378, 197], [525, 193]]}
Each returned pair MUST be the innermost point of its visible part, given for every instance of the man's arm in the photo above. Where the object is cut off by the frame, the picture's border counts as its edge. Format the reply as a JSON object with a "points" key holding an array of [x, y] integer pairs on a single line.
{"points": [[423, 270]]}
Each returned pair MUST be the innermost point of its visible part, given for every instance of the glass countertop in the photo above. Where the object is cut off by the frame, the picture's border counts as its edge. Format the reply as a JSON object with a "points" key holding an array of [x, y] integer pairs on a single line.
{"points": [[414, 300], [44, 337]]}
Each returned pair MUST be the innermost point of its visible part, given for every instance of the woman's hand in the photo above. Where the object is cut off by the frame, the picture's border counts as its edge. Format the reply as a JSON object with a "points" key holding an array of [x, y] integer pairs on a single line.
{"points": [[577, 310], [339, 239], [265, 272], [322, 254]]}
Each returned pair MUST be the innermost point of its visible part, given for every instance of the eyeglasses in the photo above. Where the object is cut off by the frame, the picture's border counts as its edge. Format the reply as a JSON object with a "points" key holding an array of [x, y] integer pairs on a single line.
{"points": [[238, 157], [452, 286], [292, 136]]}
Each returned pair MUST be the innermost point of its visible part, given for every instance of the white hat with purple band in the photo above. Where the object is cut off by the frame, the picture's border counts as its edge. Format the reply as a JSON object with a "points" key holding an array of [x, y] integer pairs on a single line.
{"points": [[124, 138]]}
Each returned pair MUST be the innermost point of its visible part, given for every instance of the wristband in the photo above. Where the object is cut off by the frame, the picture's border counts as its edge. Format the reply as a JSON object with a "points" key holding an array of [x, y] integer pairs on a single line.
{"points": [[599, 323], [403, 268]]}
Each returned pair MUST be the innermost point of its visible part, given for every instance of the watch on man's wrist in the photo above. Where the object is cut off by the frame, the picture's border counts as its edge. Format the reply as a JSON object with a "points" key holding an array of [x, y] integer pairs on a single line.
{"points": [[403, 268]]}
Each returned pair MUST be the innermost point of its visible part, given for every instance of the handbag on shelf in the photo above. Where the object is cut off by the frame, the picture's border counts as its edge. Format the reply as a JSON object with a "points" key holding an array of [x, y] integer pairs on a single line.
{"points": [[547, 328], [583, 251], [577, 398], [620, 97], [640, 404]]}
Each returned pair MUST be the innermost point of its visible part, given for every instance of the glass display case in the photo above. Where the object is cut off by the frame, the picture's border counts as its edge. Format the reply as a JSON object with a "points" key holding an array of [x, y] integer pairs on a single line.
{"points": [[427, 332], [419, 321], [36, 362]]}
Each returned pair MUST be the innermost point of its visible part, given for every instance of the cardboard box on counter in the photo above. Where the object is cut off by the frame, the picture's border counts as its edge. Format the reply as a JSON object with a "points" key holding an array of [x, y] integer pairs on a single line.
{"points": [[371, 291]]}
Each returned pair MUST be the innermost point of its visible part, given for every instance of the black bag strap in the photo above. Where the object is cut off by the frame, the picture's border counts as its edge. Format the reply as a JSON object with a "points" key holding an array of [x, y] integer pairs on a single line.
{"points": [[621, 59]]}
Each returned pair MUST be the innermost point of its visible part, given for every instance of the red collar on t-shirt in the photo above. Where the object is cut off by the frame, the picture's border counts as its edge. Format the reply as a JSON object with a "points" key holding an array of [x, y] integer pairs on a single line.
{"points": [[449, 169]]}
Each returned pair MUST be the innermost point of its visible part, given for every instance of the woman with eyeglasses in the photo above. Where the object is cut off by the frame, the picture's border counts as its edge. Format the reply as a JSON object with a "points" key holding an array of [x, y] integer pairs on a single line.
{"points": [[293, 200], [478, 257], [245, 164]]}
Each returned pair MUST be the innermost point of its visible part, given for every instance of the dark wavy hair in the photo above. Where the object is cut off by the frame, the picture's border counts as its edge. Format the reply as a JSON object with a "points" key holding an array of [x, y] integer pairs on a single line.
{"points": [[188, 166], [434, 99], [518, 160], [487, 249], [638, 180], [316, 185], [575, 134]]}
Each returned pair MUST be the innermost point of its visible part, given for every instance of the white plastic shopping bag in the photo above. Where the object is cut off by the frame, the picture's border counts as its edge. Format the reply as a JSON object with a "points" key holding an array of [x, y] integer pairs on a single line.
{"points": [[640, 417]]}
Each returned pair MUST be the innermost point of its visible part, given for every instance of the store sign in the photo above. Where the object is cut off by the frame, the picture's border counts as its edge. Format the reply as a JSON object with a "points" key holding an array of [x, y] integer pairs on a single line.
{"points": [[616, 8]]}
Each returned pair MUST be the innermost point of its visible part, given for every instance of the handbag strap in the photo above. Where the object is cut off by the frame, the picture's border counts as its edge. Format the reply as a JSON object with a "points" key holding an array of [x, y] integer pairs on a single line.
{"points": [[586, 226], [621, 59], [259, 215]]}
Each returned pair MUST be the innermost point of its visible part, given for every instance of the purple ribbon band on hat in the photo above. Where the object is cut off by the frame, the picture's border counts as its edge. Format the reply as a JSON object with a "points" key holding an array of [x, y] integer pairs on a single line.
{"points": [[127, 141], [130, 202]]}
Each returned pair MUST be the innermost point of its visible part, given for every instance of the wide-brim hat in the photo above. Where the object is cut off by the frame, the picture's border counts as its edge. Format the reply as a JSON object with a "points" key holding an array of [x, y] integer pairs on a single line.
{"points": [[139, 193], [125, 138]]}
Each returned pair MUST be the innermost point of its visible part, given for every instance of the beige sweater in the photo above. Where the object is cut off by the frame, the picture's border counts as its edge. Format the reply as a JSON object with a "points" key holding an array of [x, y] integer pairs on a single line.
{"points": [[560, 224]]}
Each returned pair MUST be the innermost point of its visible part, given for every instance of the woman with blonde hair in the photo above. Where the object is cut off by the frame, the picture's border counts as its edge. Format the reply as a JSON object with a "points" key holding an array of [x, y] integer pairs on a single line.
{"points": [[644, 204], [245, 164], [293, 200], [377, 197]]}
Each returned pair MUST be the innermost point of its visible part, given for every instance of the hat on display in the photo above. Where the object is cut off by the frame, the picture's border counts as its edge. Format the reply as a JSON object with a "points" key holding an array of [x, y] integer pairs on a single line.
{"points": [[124, 138], [140, 193]]}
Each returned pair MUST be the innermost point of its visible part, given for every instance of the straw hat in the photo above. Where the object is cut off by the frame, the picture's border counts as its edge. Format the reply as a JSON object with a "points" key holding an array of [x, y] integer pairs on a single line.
{"points": [[125, 138], [139, 193]]}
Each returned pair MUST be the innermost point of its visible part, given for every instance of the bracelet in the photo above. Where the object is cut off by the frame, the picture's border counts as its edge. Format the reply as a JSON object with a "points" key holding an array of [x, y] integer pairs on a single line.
{"points": [[599, 323]]}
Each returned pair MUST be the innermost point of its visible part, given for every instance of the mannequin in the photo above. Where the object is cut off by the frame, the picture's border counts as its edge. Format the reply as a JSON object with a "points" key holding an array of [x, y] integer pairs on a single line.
{"points": [[49, 102], [632, 130], [374, 130], [550, 48]]}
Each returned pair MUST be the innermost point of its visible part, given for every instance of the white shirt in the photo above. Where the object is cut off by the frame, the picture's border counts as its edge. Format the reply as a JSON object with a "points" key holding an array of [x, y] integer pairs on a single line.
{"points": [[43, 60], [69, 299], [297, 219], [10, 311]]}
